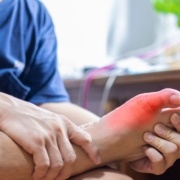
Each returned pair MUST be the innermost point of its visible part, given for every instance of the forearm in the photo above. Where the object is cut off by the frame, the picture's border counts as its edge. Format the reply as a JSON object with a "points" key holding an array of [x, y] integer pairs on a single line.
{"points": [[74, 113], [16, 164]]}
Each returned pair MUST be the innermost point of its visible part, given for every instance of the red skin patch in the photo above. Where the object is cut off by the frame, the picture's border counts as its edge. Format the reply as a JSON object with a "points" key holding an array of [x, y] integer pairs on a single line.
{"points": [[141, 109]]}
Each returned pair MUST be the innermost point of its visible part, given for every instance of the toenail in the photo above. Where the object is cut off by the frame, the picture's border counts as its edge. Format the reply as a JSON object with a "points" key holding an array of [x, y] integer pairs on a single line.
{"points": [[175, 99], [149, 136], [175, 118], [159, 128]]}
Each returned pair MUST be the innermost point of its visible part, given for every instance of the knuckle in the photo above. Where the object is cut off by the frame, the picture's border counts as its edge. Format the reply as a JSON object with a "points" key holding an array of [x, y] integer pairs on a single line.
{"points": [[58, 165], [38, 145], [158, 143], [168, 135], [44, 165], [38, 139], [59, 129], [70, 159]]}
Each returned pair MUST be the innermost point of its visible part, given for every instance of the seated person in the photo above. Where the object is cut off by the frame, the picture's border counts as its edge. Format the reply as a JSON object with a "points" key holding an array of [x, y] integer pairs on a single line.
{"points": [[118, 136], [28, 71]]}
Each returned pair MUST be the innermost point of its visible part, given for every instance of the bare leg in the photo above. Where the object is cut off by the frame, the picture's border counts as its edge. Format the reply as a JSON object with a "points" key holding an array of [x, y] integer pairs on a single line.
{"points": [[101, 174], [16, 164], [118, 136]]}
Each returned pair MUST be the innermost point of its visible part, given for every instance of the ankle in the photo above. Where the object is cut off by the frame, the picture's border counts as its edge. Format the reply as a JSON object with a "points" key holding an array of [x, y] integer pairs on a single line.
{"points": [[104, 140]]}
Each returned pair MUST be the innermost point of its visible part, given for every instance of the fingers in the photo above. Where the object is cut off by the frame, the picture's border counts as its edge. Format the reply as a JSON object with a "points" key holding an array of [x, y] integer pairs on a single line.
{"points": [[61, 156], [41, 160], [79, 137], [154, 162], [175, 121], [68, 155], [83, 139], [56, 162], [157, 163], [168, 134], [168, 150], [159, 157]]}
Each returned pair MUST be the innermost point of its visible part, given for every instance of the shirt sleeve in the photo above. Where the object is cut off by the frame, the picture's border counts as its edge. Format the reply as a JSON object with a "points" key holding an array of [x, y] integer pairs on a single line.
{"points": [[41, 73]]}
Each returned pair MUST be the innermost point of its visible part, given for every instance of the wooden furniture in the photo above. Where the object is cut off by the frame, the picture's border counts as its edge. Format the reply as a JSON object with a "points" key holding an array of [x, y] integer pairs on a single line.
{"points": [[124, 87]]}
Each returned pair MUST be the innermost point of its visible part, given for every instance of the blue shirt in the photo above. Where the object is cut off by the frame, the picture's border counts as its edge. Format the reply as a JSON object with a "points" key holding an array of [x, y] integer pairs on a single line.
{"points": [[28, 59]]}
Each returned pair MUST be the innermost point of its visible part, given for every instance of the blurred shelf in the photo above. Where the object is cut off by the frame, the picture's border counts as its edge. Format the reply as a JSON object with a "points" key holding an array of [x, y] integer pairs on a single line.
{"points": [[162, 76]]}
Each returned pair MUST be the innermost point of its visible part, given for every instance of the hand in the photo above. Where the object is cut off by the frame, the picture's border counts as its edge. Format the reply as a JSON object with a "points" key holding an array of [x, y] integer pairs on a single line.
{"points": [[161, 155], [164, 151], [129, 122], [45, 135]]}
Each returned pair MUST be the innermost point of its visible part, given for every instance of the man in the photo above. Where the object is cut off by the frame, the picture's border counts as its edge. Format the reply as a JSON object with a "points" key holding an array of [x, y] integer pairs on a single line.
{"points": [[28, 71]]}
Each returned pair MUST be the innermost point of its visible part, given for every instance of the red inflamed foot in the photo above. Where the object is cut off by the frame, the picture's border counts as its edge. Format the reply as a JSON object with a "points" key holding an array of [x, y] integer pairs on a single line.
{"points": [[141, 109], [126, 125]]}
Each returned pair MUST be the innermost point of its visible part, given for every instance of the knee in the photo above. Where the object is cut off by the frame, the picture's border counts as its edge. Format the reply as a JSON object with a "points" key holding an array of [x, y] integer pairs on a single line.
{"points": [[102, 174]]}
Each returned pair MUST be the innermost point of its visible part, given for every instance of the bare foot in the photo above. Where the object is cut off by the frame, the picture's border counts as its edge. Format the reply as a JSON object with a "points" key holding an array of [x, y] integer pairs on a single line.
{"points": [[124, 127]]}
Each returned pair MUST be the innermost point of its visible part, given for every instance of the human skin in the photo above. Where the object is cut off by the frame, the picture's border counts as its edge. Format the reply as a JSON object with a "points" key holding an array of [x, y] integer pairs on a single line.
{"points": [[122, 142], [104, 173], [16, 164], [139, 114], [48, 135], [80, 116], [158, 158], [76, 114], [162, 136]]}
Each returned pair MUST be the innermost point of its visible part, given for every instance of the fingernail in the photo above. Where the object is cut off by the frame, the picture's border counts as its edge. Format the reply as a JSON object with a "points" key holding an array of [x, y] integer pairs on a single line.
{"points": [[159, 128], [149, 136], [175, 99], [175, 118]]}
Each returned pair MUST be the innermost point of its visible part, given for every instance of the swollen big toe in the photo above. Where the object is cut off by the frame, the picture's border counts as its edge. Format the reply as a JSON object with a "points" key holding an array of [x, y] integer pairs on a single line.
{"points": [[143, 108], [167, 98]]}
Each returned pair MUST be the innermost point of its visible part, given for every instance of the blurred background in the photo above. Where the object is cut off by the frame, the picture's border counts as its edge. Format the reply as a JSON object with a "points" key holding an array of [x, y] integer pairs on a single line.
{"points": [[94, 33], [112, 50]]}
